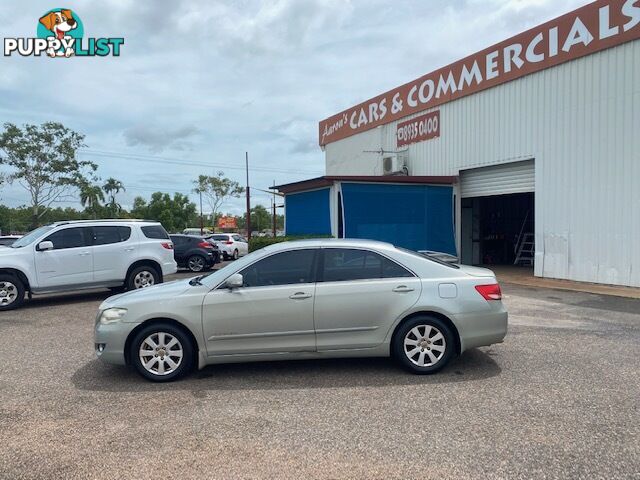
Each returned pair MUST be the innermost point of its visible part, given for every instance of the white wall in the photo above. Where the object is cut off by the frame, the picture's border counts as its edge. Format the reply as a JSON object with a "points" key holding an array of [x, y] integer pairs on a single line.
{"points": [[581, 123]]}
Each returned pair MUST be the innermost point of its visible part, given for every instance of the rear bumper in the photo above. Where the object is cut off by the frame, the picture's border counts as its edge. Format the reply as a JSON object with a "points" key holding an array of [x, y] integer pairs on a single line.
{"points": [[481, 329], [169, 268]]}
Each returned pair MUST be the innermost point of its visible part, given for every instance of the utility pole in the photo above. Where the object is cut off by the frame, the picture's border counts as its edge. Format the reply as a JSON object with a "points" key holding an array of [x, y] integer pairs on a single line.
{"points": [[246, 157], [274, 209], [201, 217]]}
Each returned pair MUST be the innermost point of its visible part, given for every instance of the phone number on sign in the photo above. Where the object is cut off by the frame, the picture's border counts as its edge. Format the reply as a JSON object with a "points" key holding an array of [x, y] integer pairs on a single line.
{"points": [[418, 129]]}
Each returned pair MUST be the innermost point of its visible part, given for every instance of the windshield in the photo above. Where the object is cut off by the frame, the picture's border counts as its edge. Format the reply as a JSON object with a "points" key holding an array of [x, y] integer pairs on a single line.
{"points": [[31, 236]]}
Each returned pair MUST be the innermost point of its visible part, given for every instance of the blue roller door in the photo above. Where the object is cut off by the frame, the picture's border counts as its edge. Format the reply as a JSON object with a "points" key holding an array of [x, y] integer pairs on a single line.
{"points": [[418, 217], [308, 213]]}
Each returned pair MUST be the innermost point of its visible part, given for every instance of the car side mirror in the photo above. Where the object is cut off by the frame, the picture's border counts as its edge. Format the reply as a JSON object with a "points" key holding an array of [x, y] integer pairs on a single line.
{"points": [[234, 281], [44, 246]]}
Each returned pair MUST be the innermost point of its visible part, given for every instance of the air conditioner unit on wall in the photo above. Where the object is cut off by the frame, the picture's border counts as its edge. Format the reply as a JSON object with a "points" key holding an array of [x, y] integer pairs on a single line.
{"points": [[395, 164]]}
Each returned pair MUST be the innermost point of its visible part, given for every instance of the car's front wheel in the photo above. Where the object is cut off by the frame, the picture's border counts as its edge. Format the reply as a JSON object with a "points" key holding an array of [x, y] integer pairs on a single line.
{"points": [[11, 292], [162, 352], [424, 344]]}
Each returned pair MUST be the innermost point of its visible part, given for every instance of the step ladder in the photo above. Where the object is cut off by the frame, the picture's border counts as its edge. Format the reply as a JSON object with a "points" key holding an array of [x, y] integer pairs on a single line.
{"points": [[526, 250]]}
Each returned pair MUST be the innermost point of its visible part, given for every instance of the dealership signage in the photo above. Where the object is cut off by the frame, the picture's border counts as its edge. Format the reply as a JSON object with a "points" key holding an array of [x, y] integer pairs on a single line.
{"points": [[594, 27], [227, 222], [424, 127]]}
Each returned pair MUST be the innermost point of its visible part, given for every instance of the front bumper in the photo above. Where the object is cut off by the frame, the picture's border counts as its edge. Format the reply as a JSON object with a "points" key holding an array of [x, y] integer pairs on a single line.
{"points": [[110, 340]]}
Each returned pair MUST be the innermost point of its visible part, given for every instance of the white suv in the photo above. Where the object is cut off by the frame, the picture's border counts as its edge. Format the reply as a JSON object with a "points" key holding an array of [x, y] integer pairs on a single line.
{"points": [[231, 245], [84, 254]]}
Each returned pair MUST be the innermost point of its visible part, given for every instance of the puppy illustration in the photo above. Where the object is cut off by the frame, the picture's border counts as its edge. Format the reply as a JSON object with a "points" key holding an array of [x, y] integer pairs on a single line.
{"points": [[59, 23]]}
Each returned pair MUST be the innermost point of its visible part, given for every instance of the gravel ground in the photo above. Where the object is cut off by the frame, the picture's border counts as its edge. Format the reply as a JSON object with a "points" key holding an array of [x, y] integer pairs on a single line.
{"points": [[558, 399]]}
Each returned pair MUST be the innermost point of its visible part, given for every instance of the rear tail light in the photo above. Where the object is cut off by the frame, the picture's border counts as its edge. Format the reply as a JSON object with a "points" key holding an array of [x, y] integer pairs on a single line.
{"points": [[205, 245], [490, 292], [228, 242], [167, 245]]}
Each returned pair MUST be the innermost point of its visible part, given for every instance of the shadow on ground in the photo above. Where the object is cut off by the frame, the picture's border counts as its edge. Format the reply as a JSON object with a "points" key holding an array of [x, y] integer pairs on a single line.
{"points": [[472, 365]]}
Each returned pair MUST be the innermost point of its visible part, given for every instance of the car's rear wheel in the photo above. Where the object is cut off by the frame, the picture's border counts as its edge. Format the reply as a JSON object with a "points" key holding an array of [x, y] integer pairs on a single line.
{"points": [[196, 263], [235, 254], [142, 277], [162, 352], [11, 292], [424, 344]]}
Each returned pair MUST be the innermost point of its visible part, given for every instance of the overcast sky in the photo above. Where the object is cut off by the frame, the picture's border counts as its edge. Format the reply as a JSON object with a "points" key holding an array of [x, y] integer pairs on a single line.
{"points": [[203, 81]]}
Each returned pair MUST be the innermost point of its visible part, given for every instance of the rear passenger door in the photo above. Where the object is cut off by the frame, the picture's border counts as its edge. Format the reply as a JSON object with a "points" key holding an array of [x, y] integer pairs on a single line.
{"points": [[359, 295], [113, 247]]}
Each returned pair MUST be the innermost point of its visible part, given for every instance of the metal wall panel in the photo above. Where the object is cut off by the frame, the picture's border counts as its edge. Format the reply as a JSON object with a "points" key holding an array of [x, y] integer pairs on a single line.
{"points": [[513, 177], [581, 123]]}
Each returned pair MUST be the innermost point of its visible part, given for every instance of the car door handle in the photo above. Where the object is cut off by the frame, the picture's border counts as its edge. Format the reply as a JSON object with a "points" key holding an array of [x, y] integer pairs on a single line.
{"points": [[402, 289], [84, 254], [129, 249], [299, 296]]}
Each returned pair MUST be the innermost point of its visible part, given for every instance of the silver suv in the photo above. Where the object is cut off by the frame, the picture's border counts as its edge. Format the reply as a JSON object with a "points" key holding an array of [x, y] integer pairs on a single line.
{"points": [[83, 254]]}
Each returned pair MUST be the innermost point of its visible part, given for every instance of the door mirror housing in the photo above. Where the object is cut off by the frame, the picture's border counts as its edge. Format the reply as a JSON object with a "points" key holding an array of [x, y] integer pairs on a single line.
{"points": [[234, 281], [44, 246]]}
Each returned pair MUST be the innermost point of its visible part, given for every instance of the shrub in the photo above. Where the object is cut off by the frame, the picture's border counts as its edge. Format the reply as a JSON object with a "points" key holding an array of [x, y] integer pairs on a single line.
{"points": [[256, 243]]}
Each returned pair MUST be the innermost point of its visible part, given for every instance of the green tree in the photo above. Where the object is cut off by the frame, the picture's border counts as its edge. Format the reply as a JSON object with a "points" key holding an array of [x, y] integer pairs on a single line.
{"points": [[175, 213], [42, 159], [112, 187], [216, 189], [90, 198]]}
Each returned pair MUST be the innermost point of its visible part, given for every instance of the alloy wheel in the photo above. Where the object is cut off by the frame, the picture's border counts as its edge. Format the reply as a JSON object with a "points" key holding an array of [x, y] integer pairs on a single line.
{"points": [[143, 279], [196, 264], [161, 353], [8, 293], [424, 345]]}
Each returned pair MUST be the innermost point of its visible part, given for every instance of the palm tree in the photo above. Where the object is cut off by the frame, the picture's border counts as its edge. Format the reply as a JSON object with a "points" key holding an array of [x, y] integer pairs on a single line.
{"points": [[90, 197], [112, 187]]}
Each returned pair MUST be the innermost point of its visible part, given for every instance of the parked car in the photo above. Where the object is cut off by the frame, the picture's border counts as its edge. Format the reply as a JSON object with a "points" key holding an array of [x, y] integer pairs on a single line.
{"points": [[7, 240], [306, 299], [194, 253], [196, 231], [83, 254], [231, 245]]}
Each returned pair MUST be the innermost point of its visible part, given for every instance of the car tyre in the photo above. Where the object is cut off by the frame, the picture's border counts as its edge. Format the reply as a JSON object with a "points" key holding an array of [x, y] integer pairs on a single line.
{"points": [[11, 292], [424, 344], [162, 352], [196, 263], [235, 254], [142, 277]]}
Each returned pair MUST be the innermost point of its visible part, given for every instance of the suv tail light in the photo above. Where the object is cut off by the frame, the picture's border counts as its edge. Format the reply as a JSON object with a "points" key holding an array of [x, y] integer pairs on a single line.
{"points": [[205, 245], [167, 245], [490, 292], [229, 242]]}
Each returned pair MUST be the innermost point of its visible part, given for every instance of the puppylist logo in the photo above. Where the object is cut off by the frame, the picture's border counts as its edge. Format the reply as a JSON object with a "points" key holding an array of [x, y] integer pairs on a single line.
{"points": [[60, 33]]}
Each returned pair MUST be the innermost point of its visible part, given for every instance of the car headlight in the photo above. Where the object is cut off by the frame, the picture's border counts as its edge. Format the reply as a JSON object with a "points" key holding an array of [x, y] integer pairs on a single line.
{"points": [[112, 315]]}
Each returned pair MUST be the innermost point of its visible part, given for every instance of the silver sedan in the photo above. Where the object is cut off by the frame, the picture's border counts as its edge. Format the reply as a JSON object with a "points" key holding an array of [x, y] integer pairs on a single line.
{"points": [[304, 300]]}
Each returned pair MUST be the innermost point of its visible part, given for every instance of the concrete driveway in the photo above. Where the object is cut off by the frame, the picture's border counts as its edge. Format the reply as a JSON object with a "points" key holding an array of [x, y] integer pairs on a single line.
{"points": [[559, 399]]}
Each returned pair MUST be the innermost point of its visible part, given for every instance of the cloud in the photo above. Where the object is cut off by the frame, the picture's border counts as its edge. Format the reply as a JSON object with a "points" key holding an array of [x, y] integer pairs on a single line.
{"points": [[157, 138]]}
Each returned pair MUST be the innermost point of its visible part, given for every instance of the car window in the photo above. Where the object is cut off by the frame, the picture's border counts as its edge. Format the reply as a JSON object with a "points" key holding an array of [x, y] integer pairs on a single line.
{"points": [[237, 238], [70, 238], [220, 238], [343, 264], [155, 231], [177, 240], [285, 268], [107, 235]]}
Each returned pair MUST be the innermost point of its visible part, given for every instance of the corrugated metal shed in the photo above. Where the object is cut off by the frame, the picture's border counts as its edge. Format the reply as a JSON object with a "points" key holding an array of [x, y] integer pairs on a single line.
{"points": [[580, 121]]}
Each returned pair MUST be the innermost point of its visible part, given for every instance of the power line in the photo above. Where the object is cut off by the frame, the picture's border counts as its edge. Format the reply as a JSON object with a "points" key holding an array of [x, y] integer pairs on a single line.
{"points": [[175, 161]]}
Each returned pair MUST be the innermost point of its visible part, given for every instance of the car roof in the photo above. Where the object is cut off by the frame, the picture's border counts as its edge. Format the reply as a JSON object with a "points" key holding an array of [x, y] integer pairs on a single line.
{"points": [[106, 221], [331, 242]]}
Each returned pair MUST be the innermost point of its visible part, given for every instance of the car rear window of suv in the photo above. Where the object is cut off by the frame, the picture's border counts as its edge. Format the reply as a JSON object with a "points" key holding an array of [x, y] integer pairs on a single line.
{"points": [[220, 237], [155, 231]]}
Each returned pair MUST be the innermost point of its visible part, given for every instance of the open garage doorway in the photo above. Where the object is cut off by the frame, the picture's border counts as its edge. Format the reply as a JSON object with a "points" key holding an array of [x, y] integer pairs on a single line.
{"points": [[497, 215], [499, 229]]}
